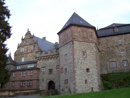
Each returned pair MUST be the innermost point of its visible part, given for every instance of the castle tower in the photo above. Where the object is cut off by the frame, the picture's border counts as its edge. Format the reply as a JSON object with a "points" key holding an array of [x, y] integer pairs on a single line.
{"points": [[79, 60]]}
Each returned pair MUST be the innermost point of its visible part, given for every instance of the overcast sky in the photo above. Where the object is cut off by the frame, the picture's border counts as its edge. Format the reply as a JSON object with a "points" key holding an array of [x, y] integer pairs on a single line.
{"points": [[45, 18]]}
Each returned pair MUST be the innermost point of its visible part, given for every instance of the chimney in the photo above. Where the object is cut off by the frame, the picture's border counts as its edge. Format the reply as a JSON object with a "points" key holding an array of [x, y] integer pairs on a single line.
{"points": [[44, 38]]}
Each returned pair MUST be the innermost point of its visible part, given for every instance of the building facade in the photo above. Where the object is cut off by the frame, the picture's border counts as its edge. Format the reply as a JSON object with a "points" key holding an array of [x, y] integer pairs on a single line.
{"points": [[75, 64]]}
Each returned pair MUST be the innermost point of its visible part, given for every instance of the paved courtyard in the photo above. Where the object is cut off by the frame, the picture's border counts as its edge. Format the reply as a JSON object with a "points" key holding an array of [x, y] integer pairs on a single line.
{"points": [[27, 96]]}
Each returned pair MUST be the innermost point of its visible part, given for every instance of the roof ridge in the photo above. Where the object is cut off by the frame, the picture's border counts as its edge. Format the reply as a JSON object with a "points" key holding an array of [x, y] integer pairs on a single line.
{"points": [[114, 25], [75, 19]]}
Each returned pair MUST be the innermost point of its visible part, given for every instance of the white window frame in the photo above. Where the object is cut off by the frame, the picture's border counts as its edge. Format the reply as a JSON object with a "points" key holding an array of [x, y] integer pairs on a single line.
{"points": [[31, 73], [125, 63], [13, 74], [112, 65], [28, 72]]}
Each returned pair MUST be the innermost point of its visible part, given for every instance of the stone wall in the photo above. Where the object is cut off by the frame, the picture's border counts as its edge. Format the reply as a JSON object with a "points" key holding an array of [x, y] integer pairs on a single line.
{"points": [[45, 63], [114, 48], [67, 81], [86, 67]]}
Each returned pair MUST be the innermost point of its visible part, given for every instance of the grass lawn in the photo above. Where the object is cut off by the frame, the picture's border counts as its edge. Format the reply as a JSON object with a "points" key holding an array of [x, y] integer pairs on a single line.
{"points": [[118, 93]]}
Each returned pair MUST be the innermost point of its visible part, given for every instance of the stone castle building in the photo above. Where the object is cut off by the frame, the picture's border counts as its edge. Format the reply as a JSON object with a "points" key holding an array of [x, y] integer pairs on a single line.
{"points": [[75, 64]]}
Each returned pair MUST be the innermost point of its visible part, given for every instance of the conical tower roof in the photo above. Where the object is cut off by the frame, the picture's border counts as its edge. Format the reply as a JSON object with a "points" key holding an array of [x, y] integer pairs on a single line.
{"points": [[75, 19]]}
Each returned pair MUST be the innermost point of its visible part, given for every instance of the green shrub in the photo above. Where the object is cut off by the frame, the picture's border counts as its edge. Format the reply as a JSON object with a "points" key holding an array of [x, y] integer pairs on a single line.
{"points": [[116, 80]]}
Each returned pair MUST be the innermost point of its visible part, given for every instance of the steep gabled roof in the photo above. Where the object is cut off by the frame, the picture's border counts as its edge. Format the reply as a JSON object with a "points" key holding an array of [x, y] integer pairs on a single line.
{"points": [[109, 30], [43, 44], [75, 19]]}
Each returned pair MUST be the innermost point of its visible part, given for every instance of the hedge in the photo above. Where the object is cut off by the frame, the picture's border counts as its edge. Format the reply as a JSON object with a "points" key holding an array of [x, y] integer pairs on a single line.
{"points": [[116, 80]]}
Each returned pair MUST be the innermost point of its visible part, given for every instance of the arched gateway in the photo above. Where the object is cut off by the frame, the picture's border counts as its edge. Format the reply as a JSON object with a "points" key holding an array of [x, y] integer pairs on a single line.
{"points": [[51, 85]]}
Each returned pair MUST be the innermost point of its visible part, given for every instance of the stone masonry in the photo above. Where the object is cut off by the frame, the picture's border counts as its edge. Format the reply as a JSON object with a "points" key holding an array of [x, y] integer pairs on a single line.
{"points": [[75, 64]]}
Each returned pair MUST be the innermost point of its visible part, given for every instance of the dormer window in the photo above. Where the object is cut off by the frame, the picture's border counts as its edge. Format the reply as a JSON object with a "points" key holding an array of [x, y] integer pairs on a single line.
{"points": [[116, 29], [18, 67]]}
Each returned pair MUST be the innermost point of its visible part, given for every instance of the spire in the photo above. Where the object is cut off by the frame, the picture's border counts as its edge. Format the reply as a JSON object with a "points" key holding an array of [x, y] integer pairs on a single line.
{"points": [[75, 19], [28, 30]]}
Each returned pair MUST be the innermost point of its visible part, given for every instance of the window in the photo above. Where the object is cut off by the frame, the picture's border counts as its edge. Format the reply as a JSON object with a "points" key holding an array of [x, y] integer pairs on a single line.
{"points": [[43, 69], [13, 74], [22, 59], [122, 52], [29, 83], [28, 72], [23, 73], [32, 47], [23, 49], [18, 67], [31, 72], [58, 67], [22, 83], [12, 84], [112, 64], [50, 71], [125, 63], [85, 81], [119, 40], [66, 81], [65, 70], [87, 70], [61, 70], [83, 53], [29, 66]]}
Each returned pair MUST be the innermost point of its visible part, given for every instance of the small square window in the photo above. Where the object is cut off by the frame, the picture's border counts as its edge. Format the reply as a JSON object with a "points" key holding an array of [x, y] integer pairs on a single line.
{"points": [[65, 56], [112, 64], [122, 52], [125, 63], [119, 40], [65, 70], [50, 71], [84, 53], [66, 81], [87, 70], [58, 67], [86, 81], [61, 70]]}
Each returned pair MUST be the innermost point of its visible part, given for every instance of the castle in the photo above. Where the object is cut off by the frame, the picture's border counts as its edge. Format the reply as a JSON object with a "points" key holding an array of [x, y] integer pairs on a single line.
{"points": [[75, 64]]}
